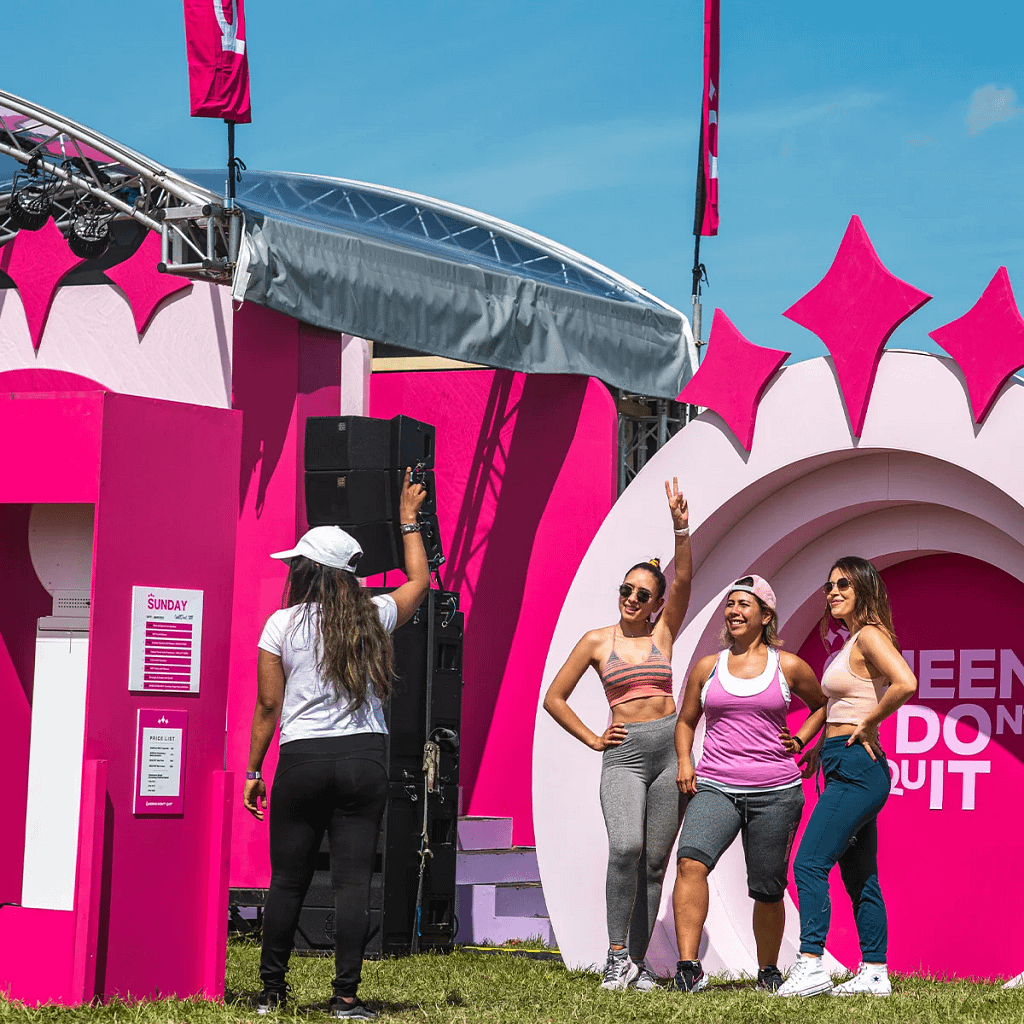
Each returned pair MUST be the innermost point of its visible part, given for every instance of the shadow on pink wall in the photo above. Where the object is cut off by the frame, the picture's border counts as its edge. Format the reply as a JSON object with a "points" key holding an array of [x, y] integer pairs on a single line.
{"points": [[525, 473]]}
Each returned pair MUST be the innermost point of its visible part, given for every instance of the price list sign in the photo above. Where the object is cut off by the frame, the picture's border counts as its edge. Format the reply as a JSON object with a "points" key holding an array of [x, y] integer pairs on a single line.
{"points": [[166, 640], [160, 761]]}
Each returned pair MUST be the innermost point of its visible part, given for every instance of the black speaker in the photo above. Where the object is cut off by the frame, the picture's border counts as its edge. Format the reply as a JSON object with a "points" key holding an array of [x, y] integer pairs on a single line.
{"points": [[341, 443], [335, 498]]}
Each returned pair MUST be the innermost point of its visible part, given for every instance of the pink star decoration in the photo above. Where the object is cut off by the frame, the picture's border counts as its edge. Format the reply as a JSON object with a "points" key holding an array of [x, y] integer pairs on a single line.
{"points": [[854, 309], [36, 261], [987, 342], [144, 287], [732, 377]]}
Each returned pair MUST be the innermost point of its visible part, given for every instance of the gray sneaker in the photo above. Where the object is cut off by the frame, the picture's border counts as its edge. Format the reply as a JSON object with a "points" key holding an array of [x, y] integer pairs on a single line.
{"points": [[646, 980], [619, 970]]}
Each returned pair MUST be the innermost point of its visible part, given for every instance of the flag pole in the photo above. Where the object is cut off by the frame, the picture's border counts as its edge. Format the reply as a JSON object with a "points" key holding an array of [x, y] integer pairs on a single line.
{"points": [[231, 163], [699, 271]]}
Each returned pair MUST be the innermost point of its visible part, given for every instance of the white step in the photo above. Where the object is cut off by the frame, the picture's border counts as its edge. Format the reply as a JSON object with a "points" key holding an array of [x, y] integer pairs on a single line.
{"points": [[490, 867], [481, 833], [478, 922]]}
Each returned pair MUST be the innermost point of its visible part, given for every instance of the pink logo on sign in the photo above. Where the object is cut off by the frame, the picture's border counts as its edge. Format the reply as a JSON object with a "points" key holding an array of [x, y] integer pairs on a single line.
{"points": [[956, 757]]}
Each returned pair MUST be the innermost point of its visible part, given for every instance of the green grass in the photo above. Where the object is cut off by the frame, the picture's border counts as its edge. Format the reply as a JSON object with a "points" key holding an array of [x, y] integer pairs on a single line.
{"points": [[505, 989]]}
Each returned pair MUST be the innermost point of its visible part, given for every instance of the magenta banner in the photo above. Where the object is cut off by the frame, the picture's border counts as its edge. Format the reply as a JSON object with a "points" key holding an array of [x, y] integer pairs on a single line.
{"points": [[709, 117], [218, 65]]}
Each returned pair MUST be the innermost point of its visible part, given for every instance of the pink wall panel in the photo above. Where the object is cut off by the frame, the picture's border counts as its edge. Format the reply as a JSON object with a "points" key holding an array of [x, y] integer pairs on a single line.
{"points": [[36, 951], [525, 475], [165, 517]]}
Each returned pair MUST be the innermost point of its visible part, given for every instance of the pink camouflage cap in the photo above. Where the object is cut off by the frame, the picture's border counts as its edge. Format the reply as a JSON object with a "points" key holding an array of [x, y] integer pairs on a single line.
{"points": [[758, 586]]}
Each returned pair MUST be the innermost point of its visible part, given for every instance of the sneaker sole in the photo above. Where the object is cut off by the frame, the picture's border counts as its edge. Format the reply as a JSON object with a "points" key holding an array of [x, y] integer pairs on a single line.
{"points": [[818, 990], [614, 986], [863, 992]]}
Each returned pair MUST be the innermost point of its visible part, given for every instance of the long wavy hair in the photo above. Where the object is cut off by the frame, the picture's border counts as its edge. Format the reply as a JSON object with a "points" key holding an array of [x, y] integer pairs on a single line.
{"points": [[871, 599], [354, 652]]}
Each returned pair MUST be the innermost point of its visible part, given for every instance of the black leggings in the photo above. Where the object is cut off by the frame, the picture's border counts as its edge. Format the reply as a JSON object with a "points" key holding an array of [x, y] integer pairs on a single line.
{"points": [[337, 784]]}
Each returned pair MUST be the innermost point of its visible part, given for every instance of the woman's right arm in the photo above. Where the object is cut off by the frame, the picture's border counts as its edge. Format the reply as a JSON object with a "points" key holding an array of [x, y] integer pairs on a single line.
{"points": [[556, 700], [409, 596], [686, 724]]}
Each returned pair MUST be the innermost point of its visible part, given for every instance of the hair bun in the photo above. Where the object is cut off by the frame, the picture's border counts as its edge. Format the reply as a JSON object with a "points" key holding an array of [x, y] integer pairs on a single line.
{"points": [[656, 562]]}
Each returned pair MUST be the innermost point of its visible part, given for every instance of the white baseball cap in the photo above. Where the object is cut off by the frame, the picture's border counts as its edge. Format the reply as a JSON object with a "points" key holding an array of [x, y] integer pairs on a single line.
{"points": [[328, 545]]}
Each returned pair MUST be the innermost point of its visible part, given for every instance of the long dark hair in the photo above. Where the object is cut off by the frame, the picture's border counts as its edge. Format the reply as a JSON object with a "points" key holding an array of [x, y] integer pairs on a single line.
{"points": [[353, 650], [871, 599]]}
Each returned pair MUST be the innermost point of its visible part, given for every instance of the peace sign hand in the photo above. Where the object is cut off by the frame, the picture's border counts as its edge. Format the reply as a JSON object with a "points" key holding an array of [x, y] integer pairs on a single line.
{"points": [[677, 506]]}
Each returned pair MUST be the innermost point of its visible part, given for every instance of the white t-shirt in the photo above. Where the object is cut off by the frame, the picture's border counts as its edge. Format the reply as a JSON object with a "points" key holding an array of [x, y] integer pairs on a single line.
{"points": [[310, 708]]}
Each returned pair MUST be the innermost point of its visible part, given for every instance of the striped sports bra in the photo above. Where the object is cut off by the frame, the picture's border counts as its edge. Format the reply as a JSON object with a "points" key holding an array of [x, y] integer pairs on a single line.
{"points": [[625, 680]]}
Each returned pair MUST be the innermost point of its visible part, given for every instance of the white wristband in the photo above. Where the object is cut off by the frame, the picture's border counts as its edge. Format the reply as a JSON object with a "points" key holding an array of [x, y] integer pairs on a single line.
{"points": [[684, 532]]}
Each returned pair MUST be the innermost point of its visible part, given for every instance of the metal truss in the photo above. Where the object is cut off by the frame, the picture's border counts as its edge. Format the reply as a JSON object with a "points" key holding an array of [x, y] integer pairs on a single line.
{"points": [[645, 425], [81, 169]]}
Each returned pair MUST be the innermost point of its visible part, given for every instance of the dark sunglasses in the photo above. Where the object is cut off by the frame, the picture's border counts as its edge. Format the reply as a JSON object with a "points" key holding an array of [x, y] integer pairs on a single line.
{"points": [[840, 584], [643, 595]]}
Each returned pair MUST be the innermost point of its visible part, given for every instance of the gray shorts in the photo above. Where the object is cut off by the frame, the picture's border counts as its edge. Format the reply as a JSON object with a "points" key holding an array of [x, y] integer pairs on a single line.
{"points": [[767, 822]]}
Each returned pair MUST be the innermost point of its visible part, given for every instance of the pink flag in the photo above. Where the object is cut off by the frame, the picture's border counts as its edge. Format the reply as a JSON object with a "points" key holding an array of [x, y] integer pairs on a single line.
{"points": [[218, 68], [709, 119]]}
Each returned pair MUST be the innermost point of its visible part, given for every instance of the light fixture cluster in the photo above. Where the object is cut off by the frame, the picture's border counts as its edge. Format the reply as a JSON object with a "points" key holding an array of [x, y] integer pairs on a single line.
{"points": [[37, 194]]}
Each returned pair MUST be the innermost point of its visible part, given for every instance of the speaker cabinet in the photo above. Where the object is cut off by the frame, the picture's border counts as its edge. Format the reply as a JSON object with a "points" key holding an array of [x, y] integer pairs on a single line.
{"points": [[342, 443]]}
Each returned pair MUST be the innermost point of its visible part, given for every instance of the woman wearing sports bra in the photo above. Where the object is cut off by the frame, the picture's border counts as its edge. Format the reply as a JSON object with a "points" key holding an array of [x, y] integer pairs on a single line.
{"points": [[745, 782], [865, 683], [641, 804]]}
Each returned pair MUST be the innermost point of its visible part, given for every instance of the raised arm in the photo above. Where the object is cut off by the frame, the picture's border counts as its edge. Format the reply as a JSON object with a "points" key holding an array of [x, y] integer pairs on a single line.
{"points": [[678, 598], [686, 724], [556, 700], [409, 596]]}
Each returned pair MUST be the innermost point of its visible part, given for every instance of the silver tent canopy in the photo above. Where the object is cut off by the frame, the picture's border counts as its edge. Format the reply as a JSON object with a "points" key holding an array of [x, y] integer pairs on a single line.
{"points": [[368, 260]]}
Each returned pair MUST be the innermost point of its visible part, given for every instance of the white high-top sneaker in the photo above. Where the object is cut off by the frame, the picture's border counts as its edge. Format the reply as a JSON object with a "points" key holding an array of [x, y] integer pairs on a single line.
{"points": [[807, 978], [870, 980]]}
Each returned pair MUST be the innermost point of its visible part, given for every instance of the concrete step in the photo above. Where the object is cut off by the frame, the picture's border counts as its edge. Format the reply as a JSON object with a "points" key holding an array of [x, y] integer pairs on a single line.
{"points": [[478, 922], [482, 833], [490, 867], [520, 899]]}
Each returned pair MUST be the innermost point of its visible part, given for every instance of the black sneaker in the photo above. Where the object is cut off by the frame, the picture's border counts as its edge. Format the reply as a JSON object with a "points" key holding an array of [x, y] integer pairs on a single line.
{"points": [[769, 979], [690, 976], [271, 999], [357, 1010]]}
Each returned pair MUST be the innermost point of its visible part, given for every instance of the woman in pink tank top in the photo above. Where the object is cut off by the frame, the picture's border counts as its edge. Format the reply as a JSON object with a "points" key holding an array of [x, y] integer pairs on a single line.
{"points": [[865, 683], [642, 808], [745, 781]]}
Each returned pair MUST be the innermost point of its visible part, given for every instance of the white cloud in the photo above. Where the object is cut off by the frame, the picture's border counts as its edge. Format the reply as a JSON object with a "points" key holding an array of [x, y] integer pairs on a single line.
{"points": [[988, 105]]}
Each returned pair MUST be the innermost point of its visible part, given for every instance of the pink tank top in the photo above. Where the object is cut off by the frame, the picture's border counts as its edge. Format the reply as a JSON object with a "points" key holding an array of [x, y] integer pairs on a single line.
{"points": [[850, 698], [743, 718], [623, 680]]}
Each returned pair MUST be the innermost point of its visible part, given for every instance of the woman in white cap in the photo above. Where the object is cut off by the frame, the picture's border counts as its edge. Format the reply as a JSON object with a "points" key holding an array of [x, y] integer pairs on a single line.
{"points": [[326, 663], [745, 782]]}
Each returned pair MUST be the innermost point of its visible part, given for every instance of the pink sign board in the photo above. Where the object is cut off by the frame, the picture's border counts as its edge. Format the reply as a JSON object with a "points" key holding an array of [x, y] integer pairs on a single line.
{"points": [[160, 761], [167, 634]]}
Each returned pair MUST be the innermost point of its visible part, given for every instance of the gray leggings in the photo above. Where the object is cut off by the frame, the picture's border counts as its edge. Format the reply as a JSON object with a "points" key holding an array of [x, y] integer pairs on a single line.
{"points": [[642, 809]]}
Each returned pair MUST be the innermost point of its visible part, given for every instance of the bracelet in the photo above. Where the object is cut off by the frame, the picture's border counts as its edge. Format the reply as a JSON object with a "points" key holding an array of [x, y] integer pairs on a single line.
{"points": [[411, 527], [251, 776], [796, 739], [684, 532]]}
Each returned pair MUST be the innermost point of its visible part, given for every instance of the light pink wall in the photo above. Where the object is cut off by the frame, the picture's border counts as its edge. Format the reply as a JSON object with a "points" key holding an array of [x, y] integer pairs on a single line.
{"points": [[525, 474]]}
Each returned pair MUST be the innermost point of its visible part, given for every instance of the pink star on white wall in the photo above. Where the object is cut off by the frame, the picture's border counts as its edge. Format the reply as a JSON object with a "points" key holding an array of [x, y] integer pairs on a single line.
{"points": [[37, 261], [987, 342], [144, 287], [732, 378], [854, 309]]}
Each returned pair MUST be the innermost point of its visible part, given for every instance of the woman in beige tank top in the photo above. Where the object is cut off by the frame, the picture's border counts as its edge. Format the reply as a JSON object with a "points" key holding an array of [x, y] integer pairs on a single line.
{"points": [[865, 683]]}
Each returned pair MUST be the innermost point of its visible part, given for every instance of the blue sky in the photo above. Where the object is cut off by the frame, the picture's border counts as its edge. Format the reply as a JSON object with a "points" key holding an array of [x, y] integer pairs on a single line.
{"points": [[580, 121]]}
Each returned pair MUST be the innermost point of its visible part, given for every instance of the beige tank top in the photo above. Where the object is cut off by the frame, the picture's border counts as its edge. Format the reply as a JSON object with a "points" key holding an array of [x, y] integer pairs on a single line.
{"points": [[850, 698]]}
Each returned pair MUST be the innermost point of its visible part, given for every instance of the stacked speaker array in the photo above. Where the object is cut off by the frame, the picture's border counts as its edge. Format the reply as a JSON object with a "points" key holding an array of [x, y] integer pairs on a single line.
{"points": [[354, 472], [355, 467]]}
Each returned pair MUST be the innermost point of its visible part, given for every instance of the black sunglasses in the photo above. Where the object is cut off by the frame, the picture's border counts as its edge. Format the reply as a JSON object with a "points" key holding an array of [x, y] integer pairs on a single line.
{"points": [[840, 584], [643, 595]]}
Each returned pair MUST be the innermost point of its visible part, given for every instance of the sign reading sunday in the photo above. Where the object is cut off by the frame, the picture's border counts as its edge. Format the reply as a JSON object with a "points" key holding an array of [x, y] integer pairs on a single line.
{"points": [[166, 640]]}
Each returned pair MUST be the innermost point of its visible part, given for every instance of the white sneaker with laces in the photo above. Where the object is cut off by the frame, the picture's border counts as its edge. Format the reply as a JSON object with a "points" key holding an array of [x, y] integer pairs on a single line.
{"points": [[619, 970], [870, 980], [807, 978], [646, 980]]}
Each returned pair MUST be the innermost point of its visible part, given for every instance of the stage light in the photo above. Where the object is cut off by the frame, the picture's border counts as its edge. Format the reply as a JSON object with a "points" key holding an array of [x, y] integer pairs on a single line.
{"points": [[31, 201], [89, 234]]}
